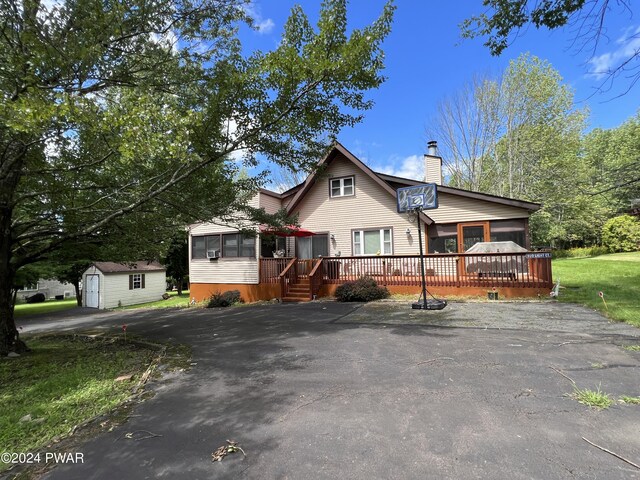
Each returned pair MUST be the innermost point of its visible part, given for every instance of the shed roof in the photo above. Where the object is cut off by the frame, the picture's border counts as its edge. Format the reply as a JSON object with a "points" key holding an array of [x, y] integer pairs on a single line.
{"points": [[114, 267]]}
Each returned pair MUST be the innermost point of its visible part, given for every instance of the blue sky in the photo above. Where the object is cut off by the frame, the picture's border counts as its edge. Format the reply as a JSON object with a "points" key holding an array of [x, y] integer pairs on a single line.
{"points": [[426, 60]]}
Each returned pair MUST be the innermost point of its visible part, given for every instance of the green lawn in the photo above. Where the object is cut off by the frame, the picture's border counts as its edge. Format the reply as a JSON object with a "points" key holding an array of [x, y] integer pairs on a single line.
{"points": [[173, 301], [44, 307], [61, 383], [616, 275]]}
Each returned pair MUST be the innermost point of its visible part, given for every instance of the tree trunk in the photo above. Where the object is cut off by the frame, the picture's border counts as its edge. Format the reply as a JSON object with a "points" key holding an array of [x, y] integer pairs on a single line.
{"points": [[179, 281], [11, 174], [76, 285]]}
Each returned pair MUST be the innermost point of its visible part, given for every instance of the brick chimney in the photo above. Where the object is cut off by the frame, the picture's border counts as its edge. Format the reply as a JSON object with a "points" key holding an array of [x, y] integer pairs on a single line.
{"points": [[433, 164]]}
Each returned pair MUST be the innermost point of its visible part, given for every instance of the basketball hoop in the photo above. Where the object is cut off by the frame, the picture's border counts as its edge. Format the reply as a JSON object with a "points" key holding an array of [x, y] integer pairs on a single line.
{"points": [[411, 216]]}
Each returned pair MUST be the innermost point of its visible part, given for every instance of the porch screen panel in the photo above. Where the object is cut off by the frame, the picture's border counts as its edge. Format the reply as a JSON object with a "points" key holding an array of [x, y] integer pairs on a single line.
{"points": [[443, 238], [509, 230]]}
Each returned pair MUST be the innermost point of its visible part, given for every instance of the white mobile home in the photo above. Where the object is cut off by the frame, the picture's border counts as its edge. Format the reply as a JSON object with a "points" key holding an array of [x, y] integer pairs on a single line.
{"points": [[110, 284]]}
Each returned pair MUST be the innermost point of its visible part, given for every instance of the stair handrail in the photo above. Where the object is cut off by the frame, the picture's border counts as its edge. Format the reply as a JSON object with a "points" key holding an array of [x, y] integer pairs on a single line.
{"points": [[284, 274], [313, 278]]}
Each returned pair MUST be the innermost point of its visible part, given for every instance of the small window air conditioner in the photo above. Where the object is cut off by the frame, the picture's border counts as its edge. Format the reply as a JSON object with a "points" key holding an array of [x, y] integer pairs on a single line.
{"points": [[213, 254]]}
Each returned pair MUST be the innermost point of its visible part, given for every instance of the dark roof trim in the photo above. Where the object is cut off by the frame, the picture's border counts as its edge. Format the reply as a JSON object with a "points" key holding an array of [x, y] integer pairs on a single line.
{"points": [[331, 155], [133, 267], [468, 193]]}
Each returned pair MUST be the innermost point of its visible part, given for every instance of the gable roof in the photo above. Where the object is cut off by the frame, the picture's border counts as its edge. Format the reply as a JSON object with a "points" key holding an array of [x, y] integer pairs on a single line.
{"points": [[389, 183], [333, 153], [532, 206], [114, 267]]}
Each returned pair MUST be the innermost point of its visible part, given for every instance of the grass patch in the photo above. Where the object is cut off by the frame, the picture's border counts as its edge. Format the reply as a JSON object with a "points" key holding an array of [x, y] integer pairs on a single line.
{"points": [[632, 348], [616, 275], [630, 400], [63, 382], [49, 306], [174, 300], [592, 398]]}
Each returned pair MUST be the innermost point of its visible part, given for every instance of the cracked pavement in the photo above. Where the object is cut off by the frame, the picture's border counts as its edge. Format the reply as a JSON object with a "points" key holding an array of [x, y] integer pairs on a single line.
{"points": [[329, 390]]}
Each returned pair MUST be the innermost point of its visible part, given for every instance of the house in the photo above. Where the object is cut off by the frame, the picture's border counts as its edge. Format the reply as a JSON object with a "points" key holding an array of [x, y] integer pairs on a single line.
{"points": [[350, 227], [51, 288], [110, 284]]}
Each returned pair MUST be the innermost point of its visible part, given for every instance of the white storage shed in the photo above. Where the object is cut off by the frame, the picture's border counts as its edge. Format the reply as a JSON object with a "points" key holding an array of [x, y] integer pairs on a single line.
{"points": [[111, 284]]}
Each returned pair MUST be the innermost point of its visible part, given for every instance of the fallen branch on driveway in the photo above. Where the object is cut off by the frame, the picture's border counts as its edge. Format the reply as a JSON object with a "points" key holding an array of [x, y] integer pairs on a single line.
{"points": [[612, 453], [565, 376]]}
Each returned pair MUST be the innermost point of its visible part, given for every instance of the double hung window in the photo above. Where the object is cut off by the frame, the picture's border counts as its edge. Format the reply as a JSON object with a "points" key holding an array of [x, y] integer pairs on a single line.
{"points": [[372, 242]]}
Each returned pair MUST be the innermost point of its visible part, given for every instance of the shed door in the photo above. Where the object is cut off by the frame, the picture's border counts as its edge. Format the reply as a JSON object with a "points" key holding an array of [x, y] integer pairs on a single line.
{"points": [[93, 291]]}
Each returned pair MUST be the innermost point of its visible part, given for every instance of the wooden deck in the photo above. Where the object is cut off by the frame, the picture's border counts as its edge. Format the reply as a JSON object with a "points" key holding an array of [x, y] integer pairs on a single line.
{"points": [[524, 270]]}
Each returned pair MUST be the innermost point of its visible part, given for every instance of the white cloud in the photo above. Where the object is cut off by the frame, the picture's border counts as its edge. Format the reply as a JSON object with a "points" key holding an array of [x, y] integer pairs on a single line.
{"points": [[262, 25], [627, 46], [408, 167], [265, 26]]}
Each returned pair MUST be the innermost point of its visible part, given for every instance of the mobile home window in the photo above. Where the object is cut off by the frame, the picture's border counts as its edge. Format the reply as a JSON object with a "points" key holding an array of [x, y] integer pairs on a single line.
{"points": [[372, 242], [341, 187]]}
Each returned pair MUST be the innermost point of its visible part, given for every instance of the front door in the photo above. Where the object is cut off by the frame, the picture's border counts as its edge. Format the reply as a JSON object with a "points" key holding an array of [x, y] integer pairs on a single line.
{"points": [[308, 248], [92, 297], [470, 234], [312, 247]]}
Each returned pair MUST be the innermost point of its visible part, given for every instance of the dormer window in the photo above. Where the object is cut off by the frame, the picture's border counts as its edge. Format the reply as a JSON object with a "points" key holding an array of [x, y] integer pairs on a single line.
{"points": [[341, 187]]}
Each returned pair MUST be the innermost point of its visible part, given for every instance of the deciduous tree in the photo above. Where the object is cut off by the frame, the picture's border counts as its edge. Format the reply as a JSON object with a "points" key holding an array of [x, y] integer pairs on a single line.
{"points": [[115, 115]]}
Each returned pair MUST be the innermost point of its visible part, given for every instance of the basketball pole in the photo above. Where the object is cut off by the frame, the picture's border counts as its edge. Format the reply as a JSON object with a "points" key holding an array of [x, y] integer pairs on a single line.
{"points": [[424, 279]]}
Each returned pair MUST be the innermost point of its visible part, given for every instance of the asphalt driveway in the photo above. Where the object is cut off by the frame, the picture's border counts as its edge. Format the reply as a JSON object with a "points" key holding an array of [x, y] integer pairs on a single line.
{"points": [[328, 390]]}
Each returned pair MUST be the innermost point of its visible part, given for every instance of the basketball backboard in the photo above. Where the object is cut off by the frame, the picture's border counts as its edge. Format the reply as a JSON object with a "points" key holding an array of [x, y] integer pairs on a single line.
{"points": [[424, 196]]}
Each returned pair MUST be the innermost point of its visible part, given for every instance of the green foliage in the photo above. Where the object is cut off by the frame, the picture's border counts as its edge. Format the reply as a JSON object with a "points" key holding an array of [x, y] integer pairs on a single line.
{"points": [[506, 16], [226, 299], [592, 398], [630, 400], [621, 234], [503, 21], [583, 252], [632, 348], [177, 259], [116, 129], [365, 289]]}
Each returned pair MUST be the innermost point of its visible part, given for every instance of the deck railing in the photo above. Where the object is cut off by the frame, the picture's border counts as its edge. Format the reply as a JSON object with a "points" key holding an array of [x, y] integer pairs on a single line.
{"points": [[271, 268], [522, 269]]}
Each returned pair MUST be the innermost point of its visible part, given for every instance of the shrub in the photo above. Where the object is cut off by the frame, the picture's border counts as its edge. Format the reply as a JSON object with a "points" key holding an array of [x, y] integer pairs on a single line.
{"points": [[36, 298], [580, 252], [365, 289], [621, 234], [225, 299]]}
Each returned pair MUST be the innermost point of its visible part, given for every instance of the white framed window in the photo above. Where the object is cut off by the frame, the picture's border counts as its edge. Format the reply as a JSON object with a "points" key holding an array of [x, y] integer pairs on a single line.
{"points": [[341, 187], [373, 242]]}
